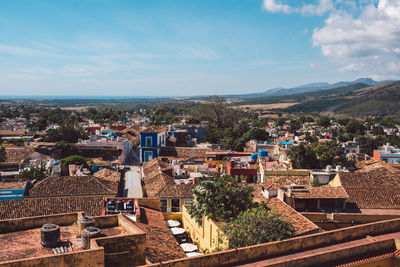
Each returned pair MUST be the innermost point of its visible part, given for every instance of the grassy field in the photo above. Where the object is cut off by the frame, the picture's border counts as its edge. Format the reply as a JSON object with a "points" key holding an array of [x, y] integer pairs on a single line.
{"points": [[264, 106]]}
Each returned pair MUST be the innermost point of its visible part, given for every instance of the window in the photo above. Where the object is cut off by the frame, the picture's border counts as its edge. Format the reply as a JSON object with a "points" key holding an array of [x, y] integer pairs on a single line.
{"points": [[149, 141], [164, 205], [188, 202], [175, 205], [148, 155]]}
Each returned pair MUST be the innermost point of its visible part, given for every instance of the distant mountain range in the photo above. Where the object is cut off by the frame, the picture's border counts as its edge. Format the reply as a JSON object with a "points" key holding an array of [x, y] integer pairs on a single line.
{"points": [[354, 100], [311, 87]]}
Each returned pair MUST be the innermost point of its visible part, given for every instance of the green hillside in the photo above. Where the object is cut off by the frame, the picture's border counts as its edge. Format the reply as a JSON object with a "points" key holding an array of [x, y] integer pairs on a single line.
{"points": [[356, 100]]}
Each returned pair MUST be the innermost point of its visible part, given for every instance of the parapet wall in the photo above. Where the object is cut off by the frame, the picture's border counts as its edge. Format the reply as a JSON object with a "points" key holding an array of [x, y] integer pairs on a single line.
{"points": [[288, 246], [355, 218], [93, 258], [21, 224]]}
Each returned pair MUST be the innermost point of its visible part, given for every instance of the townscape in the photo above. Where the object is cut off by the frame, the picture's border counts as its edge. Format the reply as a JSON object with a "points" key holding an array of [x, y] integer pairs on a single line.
{"points": [[164, 186], [199, 133]]}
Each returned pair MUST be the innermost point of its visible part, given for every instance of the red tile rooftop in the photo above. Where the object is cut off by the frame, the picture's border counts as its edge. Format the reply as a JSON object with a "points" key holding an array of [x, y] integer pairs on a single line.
{"points": [[27, 243]]}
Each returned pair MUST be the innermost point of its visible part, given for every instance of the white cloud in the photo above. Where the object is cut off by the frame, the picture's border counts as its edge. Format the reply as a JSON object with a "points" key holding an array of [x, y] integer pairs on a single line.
{"points": [[276, 7], [318, 9], [368, 44]]}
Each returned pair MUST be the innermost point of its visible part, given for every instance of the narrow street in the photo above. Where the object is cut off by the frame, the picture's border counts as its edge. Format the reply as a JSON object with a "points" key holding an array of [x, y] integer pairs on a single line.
{"points": [[133, 184]]}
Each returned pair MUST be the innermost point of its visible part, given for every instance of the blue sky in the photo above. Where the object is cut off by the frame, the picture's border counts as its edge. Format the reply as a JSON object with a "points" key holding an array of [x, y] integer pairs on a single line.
{"points": [[197, 47]]}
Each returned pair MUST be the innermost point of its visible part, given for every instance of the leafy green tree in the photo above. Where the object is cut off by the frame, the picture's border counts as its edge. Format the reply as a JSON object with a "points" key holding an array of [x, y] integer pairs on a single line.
{"points": [[330, 153], [303, 157], [354, 127], [377, 130], [2, 154], [220, 199], [33, 173], [294, 126], [323, 121], [75, 159], [343, 121], [256, 226], [236, 140], [280, 121], [317, 155], [311, 138], [368, 144], [68, 132]]}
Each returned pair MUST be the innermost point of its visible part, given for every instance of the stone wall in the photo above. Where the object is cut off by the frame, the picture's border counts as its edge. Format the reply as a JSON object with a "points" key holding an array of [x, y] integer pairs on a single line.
{"points": [[288, 246]]}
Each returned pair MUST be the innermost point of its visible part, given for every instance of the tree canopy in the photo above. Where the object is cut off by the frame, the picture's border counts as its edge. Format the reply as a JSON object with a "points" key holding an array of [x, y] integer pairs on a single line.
{"points": [[317, 155], [220, 199], [68, 132], [75, 159], [256, 226], [323, 121], [33, 173]]}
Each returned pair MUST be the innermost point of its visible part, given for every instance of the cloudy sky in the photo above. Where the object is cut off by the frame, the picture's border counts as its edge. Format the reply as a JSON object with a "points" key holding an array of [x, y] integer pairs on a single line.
{"points": [[196, 47]]}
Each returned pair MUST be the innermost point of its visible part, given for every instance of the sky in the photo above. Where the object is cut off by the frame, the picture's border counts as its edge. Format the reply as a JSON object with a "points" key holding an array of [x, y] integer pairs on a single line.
{"points": [[196, 47]]}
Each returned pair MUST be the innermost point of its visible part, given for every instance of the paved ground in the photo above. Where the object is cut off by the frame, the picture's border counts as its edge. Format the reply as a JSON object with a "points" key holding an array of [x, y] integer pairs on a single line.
{"points": [[133, 185]]}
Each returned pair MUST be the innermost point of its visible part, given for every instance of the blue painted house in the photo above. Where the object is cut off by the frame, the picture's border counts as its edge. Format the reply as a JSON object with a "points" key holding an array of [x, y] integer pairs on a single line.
{"points": [[12, 190], [151, 140]]}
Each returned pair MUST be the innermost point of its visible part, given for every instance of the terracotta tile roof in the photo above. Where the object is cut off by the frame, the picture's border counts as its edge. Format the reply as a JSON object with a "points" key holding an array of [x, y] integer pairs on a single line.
{"points": [[28, 207], [377, 189], [108, 175], [373, 260], [18, 154], [154, 129], [12, 185], [12, 132], [376, 178], [160, 244], [74, 186], [320, 193], [271, 186], [159, 184], [133, 128], [132, 132], [183, 152], [288, 179], [374, 198], [299, 222]]}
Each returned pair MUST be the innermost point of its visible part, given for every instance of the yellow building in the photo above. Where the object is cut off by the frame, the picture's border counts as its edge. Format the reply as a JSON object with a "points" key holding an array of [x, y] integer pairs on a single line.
{"points": [[207, 236]]}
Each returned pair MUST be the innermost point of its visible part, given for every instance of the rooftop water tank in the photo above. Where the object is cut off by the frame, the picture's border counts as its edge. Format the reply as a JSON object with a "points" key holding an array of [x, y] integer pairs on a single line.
{"points": [[328, 168], [253, 157], [83, 222], [263, 153], [50, 235], [87, 234]]}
